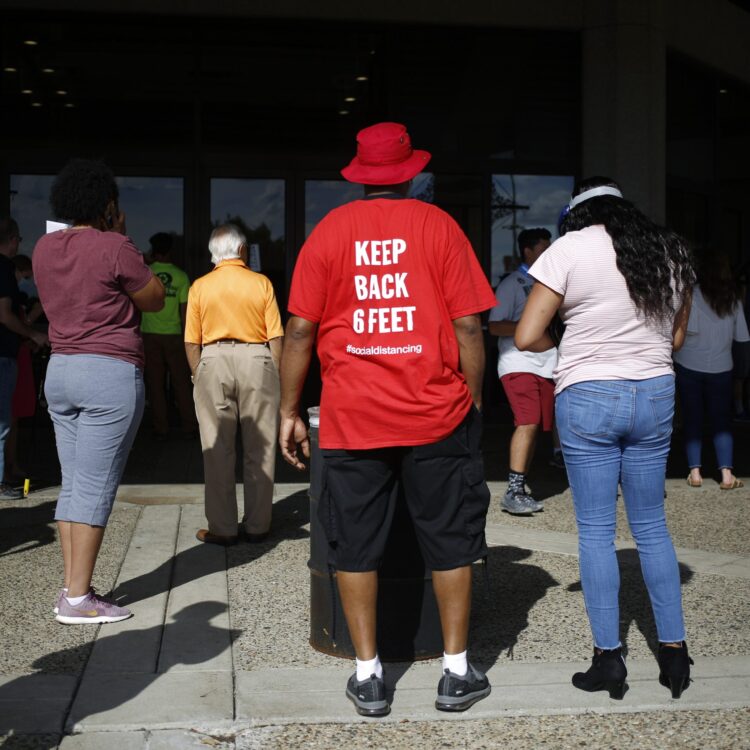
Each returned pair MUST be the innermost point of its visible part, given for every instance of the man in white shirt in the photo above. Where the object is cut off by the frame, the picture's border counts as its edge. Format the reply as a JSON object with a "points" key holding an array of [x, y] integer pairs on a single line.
{"points": [[526, 376]]}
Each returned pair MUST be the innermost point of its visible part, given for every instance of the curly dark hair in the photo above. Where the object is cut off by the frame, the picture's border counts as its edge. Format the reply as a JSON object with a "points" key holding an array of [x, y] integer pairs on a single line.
{"points": [[719, 286], [650, 257], [82, 190]]}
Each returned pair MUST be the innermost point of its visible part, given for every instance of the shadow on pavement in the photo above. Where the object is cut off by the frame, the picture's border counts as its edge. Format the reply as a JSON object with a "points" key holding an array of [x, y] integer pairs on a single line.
{"points": [[192, 627], [289, 516], [635, 605], [503, 596], [23, 529]]}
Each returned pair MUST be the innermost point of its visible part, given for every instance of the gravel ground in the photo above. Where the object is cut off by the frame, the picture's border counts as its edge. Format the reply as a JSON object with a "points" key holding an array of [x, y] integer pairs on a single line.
{"points": [[30, 580], [708, 730], [533, 611], [700, 518]]}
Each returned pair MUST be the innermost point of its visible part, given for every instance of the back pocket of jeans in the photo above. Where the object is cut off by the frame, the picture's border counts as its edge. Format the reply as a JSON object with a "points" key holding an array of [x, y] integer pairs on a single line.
{"points": [[663, 409], [591, 413]]}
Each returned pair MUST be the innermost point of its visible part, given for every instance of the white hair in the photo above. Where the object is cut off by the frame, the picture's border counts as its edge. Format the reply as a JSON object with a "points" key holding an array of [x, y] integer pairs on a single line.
{"points": [[225, 243]]}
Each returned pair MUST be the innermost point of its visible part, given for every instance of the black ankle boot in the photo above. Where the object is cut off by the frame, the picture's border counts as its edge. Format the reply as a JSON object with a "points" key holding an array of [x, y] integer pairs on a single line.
{"points": [[607, 672], [674, 668]]}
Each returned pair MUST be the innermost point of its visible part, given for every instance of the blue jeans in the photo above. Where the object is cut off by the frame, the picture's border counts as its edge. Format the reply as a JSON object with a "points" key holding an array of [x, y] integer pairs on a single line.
{"points": [[8, 372], [706, 393], [619, 431]]}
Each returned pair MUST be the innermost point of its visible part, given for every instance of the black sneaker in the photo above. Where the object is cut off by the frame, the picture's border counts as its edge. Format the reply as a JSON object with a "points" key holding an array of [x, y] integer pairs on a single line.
{"points": [[368, 696], [457, 693]]}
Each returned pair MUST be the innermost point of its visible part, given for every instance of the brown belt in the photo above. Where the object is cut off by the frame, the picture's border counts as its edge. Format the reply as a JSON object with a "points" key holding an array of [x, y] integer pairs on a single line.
{"points": [[233, 342]]}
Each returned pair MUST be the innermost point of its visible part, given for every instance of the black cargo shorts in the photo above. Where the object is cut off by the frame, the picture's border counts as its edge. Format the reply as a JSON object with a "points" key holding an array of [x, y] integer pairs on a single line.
{"points": [[445, 491]]}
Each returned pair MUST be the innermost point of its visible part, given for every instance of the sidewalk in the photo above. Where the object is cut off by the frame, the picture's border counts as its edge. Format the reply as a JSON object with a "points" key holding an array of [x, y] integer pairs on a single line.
{"points": [[217, 653]]}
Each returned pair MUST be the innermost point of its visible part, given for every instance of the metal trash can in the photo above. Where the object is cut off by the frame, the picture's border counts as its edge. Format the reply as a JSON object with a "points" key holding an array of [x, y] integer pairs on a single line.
{"points": [[408, 623]]}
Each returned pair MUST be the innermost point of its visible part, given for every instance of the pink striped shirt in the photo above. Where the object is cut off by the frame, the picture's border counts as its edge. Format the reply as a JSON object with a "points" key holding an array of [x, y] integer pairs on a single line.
{"points": [[606, 338]]}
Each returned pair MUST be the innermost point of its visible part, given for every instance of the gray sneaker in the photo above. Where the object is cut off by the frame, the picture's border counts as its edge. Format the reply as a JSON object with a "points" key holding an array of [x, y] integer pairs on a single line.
{"points": [[514, 502], [535, 505], [459, 692], [368, 696]]}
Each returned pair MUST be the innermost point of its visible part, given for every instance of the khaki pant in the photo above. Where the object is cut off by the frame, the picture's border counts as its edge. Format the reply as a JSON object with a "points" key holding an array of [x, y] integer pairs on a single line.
{"points": [[237, 382]]}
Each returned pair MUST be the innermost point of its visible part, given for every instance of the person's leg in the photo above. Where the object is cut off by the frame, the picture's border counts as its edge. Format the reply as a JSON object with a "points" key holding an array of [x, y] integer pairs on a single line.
{"points": [[8, 372], [690, 388], [179, 374], [590, 417], [356, 511], [644, 463], [109, 395], [359, 599], [453, 593], [85, 542], [65, 532], [216, 408], [522, 444], [258, 385], [448, 499], [154, 376], [524, 397], [719, 407]]}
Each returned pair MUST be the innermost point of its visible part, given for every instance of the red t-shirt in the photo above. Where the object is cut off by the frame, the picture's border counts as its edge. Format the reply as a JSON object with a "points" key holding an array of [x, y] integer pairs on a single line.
{"points": [[384, 279], [84, 277]]}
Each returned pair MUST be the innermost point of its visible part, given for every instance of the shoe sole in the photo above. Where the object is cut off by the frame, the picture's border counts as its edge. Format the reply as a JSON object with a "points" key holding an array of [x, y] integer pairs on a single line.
{"points": [[383, 710], [65, 620], [461, 704], [527, 512]]}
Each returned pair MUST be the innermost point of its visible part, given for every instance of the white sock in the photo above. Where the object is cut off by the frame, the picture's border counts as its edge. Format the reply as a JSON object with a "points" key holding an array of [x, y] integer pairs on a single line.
{"points": [[74, 601], [370, 667], [456, 663]]}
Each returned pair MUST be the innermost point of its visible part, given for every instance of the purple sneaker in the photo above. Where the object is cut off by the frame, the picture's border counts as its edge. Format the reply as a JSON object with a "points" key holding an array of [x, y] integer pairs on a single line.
{"points": [[92, 609], [60, 596]]}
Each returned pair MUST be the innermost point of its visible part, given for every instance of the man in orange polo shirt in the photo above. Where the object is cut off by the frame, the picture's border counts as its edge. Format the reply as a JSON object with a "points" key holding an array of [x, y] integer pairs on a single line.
{"points": [[233, 337]]}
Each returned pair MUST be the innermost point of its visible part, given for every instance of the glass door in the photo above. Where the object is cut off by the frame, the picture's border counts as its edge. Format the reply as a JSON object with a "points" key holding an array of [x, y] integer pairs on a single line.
{"points": [[257, 207]]}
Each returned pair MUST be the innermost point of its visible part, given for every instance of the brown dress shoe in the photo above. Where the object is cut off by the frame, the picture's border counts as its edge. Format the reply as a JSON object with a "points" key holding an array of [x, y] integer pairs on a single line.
{"points": [[204, 535]]}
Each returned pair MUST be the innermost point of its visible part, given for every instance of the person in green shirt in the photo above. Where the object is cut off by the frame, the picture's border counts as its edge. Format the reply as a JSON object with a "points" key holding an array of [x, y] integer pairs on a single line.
{"points": [[163, 345]]}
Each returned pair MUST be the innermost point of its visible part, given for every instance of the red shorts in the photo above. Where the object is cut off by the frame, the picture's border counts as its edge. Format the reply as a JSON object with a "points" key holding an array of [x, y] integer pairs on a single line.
{"points": [[531, 397]]}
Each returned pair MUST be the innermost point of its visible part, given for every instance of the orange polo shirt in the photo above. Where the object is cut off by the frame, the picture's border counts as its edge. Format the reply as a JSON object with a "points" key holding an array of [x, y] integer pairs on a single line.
{"points": [[232, 302]]}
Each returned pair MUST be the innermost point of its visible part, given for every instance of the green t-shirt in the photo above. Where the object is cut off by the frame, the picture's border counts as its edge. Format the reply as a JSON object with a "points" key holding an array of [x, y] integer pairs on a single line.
{"points": [[176, 284]]}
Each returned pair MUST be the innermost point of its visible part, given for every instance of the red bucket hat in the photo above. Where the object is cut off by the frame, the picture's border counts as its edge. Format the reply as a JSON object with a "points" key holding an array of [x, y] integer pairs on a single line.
{"points": [[385, 156]]}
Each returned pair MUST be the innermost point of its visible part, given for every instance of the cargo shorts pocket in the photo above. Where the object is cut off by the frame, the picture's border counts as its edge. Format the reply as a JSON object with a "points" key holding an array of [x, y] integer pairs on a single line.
{"points": [[476, 498], [326, 511]]}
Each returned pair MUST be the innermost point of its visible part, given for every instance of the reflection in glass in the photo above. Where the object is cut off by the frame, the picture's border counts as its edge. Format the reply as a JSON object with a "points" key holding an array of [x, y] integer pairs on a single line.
{"points": [[523, 202], [256, 206], [29, 206], [322, 196], [151, 205]]}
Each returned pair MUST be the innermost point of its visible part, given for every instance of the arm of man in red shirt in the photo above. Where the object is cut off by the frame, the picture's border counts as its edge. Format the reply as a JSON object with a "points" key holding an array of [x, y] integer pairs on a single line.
{"points": [[471, 354], [295, 360]]}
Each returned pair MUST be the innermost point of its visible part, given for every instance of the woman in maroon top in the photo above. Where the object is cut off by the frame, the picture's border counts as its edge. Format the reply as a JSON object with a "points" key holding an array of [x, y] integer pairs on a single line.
{"points": [[92, 282]]}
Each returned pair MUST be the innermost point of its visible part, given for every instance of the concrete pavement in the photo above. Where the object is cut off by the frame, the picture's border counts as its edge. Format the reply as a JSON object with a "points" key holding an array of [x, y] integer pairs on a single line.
{"points": [[207, 660]]}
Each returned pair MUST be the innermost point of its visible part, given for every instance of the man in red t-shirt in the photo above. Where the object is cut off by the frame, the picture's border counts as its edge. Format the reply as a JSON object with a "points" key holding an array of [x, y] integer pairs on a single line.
{"points": [[392, 289]]}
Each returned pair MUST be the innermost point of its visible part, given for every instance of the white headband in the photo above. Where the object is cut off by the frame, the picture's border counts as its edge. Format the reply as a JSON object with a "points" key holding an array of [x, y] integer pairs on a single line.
{"points": [[593, 193]]}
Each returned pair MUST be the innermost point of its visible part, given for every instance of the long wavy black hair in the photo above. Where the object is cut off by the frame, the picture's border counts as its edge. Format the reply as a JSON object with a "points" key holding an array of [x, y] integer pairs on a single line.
{"points": [[654, 260], [718, 284]]}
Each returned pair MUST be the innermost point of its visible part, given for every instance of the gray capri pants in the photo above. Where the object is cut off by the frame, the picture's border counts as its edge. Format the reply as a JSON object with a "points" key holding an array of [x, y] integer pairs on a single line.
{"points": [[96, 405]]}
